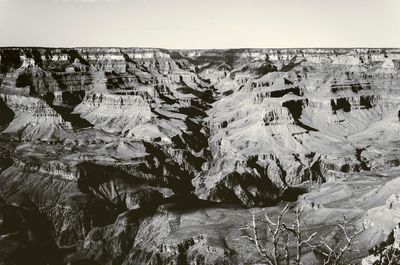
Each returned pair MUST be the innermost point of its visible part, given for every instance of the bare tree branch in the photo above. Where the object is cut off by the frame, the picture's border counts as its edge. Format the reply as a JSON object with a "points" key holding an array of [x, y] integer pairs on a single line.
{"points": [[334, 255], [280, 235]]}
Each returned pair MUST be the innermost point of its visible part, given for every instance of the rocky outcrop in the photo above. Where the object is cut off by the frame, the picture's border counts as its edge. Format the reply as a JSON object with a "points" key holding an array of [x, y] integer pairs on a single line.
{"points": [[93, 135], [210, 112], [34, 119], [387, 251]]}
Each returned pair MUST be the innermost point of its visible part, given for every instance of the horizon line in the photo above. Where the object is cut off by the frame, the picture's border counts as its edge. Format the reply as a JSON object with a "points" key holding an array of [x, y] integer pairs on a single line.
{"points": [[161, 48]]}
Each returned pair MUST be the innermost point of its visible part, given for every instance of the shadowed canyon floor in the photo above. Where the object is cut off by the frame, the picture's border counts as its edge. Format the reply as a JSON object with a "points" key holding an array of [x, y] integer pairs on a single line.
{"points": [[154, 156]]}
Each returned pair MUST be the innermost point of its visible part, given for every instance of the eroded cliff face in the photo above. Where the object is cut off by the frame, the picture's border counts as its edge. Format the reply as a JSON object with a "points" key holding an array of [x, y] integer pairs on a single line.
{"points": [[94, 136]]}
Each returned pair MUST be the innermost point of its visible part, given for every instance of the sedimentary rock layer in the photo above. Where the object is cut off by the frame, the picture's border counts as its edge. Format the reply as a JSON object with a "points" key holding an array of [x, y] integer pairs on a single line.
{"points": [[94, 140]]}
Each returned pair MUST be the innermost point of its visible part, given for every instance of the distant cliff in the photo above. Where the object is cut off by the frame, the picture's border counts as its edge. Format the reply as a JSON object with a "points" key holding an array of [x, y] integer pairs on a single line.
{"points": [[122, 129]]}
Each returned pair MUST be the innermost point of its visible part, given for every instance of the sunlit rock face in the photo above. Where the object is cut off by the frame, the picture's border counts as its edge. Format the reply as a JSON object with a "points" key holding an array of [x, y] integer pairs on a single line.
{"points": [[91, 136]]}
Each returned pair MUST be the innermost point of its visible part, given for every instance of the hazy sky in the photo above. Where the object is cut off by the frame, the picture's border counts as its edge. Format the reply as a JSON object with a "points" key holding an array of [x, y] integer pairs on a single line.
{"points": [[200, 23]]}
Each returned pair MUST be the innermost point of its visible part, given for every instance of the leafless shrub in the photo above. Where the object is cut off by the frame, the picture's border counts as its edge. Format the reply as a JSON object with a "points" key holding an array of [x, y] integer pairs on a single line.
{"points": [[334, 254], [275, 246]]}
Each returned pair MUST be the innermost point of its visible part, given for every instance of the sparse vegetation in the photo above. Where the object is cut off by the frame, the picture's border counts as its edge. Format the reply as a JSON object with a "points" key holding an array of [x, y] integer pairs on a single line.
{"points": [[285, 243]]}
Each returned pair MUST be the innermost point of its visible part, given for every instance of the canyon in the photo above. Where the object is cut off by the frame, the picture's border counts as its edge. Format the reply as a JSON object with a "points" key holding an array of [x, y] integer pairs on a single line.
{"points": [[122, 156]]}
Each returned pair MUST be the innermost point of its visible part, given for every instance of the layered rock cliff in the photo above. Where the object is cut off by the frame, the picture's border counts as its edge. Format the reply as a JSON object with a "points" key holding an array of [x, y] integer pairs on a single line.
{"points": [[99, 140]]}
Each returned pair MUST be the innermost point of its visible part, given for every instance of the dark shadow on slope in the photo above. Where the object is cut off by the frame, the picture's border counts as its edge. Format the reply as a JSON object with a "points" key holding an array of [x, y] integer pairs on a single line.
{"points": [[76, 121], [366, 101], [195, 139], [228, 92], [159, 115], [356, 87], [92, 176], [292, 193], [114, 80], [187, 201], [70, 100], [296, 108], [6, 114], [24, 79], [27, 237], [264, 69], [206, 96], [164, 93], [216, 57], [35, 55], [196, 110], [5, 161], [179, 202], [9, 59], [292, 64], [58, 77], [363, 161], [269, 186], [340, 104], [281, 93], [73, 54], [167, 172]]}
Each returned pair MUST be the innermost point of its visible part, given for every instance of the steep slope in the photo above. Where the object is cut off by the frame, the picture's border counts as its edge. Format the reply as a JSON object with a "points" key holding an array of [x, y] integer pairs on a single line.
{"points": [[98, 138]]}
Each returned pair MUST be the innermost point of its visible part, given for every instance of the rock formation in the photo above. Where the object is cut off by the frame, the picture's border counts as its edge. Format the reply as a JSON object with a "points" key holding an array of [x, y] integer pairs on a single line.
{"points": [[106, 146]]}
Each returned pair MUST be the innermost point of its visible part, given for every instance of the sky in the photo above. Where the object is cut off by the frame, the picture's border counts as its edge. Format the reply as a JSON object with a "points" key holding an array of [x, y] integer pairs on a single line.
{"points": [[187, 24]]}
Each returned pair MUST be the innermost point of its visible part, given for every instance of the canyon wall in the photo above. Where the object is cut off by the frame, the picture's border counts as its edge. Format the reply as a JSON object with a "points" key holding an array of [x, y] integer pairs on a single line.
{"points": [[92, 136]]}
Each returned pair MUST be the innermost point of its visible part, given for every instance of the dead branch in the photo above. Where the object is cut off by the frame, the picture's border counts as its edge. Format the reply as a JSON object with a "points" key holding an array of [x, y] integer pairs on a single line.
{"points": [[334, 255], [255, 239], [280, 235]]}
